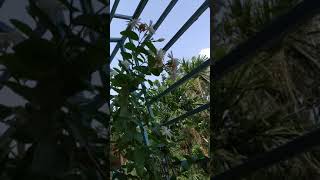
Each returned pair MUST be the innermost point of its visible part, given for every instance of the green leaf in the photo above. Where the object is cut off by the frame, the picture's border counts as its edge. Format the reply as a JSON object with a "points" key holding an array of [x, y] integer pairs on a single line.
{"points": [[141, 49], [219, 53], [130, 34], [38, 53], [151, 61], [5, 111], [119, 80], [49, 159], [92, 21], [126, 55], [24, 28], [43, 19], [139, 159], [185, 165], [23, 91], [143, 69], [150, 82], [150, 45], [89, 60], [156, 71], [173, 177], [104, 2], [69, 6], [130, 46]]}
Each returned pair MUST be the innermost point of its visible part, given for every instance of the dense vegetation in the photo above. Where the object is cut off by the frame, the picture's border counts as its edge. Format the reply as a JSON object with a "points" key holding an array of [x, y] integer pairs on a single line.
{"points": [[59, 133], [271, 99], [130, 116]]}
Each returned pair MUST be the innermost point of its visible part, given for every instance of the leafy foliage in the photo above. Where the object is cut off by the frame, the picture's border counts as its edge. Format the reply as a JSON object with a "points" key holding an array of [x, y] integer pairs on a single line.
{"points": [[264, 105], [53, 132]]}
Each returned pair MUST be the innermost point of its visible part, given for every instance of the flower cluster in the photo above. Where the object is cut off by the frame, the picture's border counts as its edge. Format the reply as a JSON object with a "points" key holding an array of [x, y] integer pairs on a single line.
{"points": [[141, 27], [166, 132], [172, 66]]}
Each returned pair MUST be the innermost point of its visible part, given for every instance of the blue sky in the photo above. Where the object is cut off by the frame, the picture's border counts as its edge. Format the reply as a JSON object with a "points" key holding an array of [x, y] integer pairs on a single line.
{"points": [[192, 42]]}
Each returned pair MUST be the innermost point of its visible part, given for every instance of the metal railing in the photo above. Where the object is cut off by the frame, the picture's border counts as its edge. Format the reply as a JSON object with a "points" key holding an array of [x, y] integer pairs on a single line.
{"points": [[178, 34]]}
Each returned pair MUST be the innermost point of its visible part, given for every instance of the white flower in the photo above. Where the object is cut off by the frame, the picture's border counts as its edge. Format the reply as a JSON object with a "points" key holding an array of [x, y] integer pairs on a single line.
{"points": [[113, 72], [10, 38], [78, 144], [134, 23], [166, 131], [150, 28], [172, 65], [175, 60], [159, 58], [300, 99], [225, 114], [125, 63]]}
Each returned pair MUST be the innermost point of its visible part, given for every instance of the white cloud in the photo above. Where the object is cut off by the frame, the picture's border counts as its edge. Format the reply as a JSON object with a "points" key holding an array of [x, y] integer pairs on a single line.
{"points": [[205, 52]]}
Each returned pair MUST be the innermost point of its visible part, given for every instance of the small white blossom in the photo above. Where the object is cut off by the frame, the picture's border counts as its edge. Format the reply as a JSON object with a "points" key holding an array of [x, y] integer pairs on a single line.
{"points": [[175, 60], [125, 63], [65, 132], [173, 65], [225, 114], [77, 144], [300, 99], [159, 58], [113, 73], [150, 28], [166, 131], [134, 23]]}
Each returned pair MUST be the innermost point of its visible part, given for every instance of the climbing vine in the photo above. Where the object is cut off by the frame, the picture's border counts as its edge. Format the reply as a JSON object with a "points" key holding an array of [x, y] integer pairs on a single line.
{"points": [[130, 119]]}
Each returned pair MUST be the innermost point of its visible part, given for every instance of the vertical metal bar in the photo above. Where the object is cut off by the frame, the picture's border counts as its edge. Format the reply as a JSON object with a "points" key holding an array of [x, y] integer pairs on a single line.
{"points": [[162, 17], [186, 26], [150, 110], [114, 8]]}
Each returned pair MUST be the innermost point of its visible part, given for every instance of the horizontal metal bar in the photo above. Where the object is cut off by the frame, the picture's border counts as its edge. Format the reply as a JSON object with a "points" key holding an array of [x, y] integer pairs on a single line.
{"points": [[136, 14], [299, 145], [121, 16], [115, 39], [194, 72], [266, 37], [187, 114], [187, 25], [114, 8]]}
